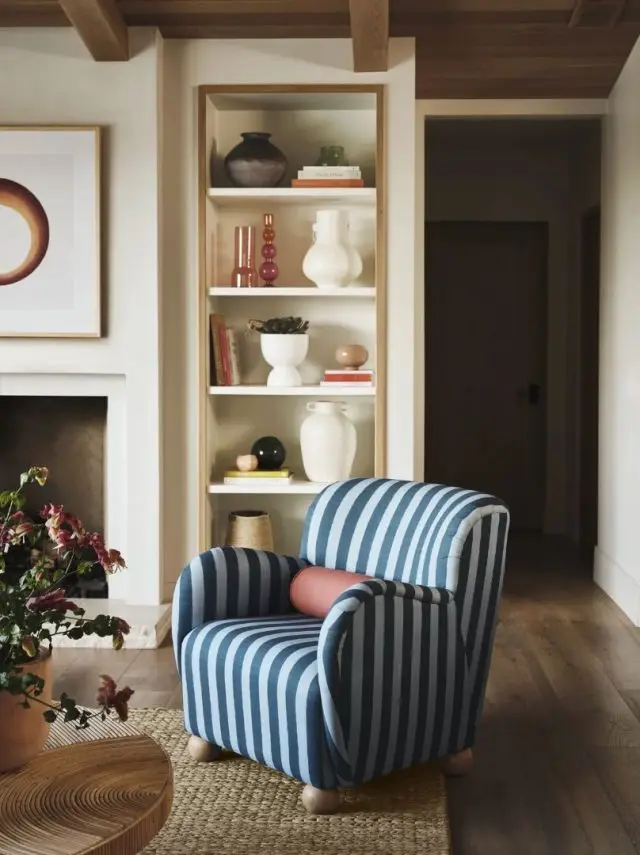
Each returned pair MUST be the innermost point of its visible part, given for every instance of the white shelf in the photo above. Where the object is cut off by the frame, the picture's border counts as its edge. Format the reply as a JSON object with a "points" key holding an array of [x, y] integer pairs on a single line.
{"points": [[366, 291], [296, 488], [235, 197], [296, 391]]}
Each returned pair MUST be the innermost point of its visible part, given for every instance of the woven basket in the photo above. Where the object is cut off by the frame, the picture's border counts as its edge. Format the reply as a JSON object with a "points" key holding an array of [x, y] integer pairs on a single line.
{"points": [[251, 529]]}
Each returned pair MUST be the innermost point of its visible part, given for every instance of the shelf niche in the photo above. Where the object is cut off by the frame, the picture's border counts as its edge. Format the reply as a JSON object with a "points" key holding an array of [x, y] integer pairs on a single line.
{"points": [[300, 119]]}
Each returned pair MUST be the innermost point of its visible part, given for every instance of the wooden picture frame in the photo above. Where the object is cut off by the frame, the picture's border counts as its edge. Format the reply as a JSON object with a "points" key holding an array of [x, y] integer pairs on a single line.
{"points": [[50, 254]]}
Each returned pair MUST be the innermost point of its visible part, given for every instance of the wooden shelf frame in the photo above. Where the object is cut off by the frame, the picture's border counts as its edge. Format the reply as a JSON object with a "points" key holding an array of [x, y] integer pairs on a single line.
{"points": [[204, 92]]}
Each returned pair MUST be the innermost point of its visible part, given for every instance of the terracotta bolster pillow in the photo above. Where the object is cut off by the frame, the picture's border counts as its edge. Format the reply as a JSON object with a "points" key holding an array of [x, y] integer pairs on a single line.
{"points": [[315, 589]]}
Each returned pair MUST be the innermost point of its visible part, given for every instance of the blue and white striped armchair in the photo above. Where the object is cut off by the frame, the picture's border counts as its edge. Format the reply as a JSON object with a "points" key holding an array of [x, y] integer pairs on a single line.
{"points": [[393, 676]]}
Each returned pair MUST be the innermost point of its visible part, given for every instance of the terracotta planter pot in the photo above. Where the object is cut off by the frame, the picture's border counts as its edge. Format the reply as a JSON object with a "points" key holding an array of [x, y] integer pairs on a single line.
{"points": [[24, 732]]}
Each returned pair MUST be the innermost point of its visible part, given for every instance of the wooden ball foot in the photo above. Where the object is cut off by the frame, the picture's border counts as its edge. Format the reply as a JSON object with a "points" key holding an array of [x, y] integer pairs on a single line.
{"points": [[457, 765], [202, 751], [320, 801]]}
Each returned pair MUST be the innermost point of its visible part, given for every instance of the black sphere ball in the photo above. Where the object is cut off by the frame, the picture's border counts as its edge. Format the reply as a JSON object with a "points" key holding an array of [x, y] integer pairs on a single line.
{"points": [[270, 452]]}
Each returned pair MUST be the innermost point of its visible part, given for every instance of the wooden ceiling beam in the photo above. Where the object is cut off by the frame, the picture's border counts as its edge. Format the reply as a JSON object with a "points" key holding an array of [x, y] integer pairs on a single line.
{"points": [[100, 25], [369, 20]]}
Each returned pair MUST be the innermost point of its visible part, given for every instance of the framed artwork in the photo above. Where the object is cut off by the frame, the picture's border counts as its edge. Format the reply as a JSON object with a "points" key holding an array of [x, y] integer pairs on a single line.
{"points": [[50, 232]]}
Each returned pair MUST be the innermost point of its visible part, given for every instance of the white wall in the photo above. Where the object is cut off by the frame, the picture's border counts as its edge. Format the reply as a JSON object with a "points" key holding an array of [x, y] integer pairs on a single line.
{"points": [[147, 108], [47, 77], [618, 551], [285, 62]]}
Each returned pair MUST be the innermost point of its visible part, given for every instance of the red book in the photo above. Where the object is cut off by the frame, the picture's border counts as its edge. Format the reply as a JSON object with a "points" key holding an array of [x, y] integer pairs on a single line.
{"points": [[349, 377]]}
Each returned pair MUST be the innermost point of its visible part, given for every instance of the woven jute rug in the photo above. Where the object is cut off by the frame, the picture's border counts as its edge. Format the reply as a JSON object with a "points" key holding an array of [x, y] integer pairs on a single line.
{"points": [[237, 807]]}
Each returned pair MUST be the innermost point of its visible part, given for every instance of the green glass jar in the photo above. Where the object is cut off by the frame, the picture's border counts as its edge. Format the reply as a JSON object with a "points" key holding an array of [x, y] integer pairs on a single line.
{"points": [[332, 155]]}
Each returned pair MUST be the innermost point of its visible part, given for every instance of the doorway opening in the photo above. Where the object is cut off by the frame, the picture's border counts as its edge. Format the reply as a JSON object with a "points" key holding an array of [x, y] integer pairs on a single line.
{"points": [[511, 316]]}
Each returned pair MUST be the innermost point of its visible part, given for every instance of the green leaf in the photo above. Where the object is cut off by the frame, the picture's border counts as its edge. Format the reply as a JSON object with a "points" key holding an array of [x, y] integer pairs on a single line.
{"points": [[50, 716]]}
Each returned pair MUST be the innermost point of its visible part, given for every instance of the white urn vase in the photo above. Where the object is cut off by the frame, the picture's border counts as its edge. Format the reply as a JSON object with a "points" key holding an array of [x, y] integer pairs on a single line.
{"points": [[327, 262], [284, 352], [355, 259], [328, 442]]}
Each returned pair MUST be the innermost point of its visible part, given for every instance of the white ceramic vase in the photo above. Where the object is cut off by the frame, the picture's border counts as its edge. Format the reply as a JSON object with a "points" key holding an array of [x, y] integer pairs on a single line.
{"points": [[284, 353], [328, 442], [327, 262], [355, 259]]}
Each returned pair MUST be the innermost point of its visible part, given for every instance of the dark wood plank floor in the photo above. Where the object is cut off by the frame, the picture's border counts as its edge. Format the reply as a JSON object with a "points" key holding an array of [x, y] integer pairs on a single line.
{"points": [[557, 768]]}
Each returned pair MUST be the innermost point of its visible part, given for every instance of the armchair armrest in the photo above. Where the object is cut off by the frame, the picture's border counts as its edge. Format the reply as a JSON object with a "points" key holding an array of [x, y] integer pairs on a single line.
{"points": [[227, 582], [392, 673]]}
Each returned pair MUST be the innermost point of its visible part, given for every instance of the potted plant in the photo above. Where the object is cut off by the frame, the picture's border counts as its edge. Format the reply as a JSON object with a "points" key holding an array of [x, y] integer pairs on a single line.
{"points": [[284, 343], [38, 558]]}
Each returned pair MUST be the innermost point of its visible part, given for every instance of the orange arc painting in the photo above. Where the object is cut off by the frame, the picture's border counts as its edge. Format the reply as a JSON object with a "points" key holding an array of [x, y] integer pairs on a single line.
{"points": [[23, 202]]}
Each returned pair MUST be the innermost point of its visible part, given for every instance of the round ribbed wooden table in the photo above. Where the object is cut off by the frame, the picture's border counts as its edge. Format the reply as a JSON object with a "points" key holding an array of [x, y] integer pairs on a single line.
{"points": [[104, 796]]}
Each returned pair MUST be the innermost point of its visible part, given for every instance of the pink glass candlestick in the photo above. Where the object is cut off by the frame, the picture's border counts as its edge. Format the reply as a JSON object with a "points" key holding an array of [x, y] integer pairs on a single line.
{"points": [[244, 273], [268, 269]]}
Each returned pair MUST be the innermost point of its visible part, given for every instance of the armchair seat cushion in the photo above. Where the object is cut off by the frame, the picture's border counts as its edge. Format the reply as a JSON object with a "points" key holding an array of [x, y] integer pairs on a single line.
{"points": [[251, 685]]}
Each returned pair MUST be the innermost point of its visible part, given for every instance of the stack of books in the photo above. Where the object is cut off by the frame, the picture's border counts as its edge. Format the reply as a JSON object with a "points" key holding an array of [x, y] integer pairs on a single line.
{"points": [[259, 477], [224, 363], [347, 377], [328, 176]]}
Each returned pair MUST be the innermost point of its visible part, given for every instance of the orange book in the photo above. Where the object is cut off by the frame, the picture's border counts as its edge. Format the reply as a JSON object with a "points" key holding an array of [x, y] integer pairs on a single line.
{"points": [[327, 182]]}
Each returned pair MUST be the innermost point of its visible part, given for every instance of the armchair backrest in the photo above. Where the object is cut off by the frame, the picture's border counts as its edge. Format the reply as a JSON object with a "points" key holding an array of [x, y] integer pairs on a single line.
{"points": [[401, 530]]}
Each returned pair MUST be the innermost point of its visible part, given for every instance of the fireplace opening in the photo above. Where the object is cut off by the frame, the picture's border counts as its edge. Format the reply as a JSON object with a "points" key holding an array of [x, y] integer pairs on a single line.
{"points": [[67, 434]]}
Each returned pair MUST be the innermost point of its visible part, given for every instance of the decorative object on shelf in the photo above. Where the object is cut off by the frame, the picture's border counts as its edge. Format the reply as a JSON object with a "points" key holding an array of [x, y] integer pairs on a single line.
{"points": [[50, 238], [332, 155], [259, 477], [246, 462], [328, 262], [343, 377], [255, 162], [270, 452], [351, 356], [328, 176], [250, 529], [268, 269], [40, 557], [355, 259], [224, 363], [244, 274], [328, 442], [284, 343]]}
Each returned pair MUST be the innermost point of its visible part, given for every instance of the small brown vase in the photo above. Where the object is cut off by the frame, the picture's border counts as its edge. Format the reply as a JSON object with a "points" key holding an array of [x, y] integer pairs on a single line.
{"points": [[24, 731], [351, 356]]}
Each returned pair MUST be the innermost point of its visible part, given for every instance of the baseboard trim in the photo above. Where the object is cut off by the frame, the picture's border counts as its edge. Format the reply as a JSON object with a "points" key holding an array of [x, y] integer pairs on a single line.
{"points": [[623, 589]]}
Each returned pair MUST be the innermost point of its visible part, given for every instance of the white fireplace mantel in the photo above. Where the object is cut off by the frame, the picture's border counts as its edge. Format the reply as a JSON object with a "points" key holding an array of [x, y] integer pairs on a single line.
{"points": [[149, 623]]}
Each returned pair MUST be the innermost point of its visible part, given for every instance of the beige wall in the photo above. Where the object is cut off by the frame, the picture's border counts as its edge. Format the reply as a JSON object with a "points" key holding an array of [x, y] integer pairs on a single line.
{"points": [[618, 551]]}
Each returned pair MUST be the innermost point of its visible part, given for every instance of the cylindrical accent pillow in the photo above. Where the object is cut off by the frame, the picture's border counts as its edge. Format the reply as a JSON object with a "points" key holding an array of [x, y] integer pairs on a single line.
{"points": [[315, 589]]}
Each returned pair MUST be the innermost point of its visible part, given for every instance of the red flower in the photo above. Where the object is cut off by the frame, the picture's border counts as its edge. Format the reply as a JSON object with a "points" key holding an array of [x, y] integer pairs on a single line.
{"points": [[54, 601], [23, 528], [112, 698]]}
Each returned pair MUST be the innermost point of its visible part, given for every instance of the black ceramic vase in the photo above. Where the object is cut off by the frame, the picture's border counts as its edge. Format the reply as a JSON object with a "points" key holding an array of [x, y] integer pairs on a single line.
{"points": [[255, 162], [270, 452]]}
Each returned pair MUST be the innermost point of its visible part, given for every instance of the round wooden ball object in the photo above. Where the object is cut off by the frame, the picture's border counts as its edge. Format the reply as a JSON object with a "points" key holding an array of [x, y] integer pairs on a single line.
{"points": [[351, 356], [247, 462]]}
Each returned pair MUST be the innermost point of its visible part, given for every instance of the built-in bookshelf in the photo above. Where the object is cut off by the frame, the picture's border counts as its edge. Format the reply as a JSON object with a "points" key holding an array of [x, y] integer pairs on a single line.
{"points": [[232, 417]]}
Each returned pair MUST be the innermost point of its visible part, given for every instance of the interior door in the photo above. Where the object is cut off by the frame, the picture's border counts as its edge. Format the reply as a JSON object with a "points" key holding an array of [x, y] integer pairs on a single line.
{"points": [[486, 343]]}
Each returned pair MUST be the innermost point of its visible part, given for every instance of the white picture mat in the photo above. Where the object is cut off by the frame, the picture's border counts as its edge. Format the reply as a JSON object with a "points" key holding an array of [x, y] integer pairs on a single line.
{"points": [[62, 296]]}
